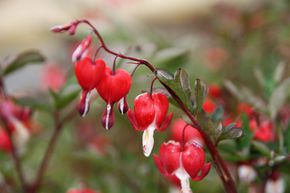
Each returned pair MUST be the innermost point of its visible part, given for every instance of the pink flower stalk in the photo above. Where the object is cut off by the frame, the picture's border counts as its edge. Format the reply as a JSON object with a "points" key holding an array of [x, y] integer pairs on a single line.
{"points": [[149, 115], [180, 163]]}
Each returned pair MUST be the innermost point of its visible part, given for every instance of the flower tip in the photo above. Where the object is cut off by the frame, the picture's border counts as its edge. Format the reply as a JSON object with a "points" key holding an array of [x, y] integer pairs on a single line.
{"points": [[108, 117]]}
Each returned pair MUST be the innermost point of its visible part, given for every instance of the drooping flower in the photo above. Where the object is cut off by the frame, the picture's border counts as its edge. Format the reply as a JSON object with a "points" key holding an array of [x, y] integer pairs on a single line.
{"points": [[88, 74], [113, 87], [263, 131], [180, 164], [191, 134], [149, 115]]}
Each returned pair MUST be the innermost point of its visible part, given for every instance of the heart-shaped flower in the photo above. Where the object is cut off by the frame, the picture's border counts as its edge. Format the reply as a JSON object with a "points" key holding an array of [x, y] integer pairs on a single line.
{"points": [[179, 164], [149, 115], [88, 74], [113, 87], [181, 131]]}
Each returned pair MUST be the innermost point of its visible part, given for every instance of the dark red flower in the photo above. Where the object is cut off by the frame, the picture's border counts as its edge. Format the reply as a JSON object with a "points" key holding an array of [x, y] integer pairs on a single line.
{"points": [[191, 134], [179, 164], [149, 115], [113, 87], [88, 74]]}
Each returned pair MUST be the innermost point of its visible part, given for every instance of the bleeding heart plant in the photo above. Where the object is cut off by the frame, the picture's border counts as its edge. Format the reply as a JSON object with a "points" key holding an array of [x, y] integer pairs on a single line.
{"points": [[149, 115]]}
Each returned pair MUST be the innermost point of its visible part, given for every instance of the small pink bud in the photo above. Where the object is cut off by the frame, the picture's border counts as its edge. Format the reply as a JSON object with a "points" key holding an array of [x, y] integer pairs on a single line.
{"points": [[61, 28]]}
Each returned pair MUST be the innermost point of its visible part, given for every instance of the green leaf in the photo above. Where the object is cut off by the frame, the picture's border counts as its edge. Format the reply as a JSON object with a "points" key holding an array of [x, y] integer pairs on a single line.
{"points": [[287, 139], [169, 57], [34, 103], [244, 142], [179, 83], [262, 148], [230, 132], [65, 100], [218, 114], [279, 97], [200, 94], [61, 99], [23, 59]]}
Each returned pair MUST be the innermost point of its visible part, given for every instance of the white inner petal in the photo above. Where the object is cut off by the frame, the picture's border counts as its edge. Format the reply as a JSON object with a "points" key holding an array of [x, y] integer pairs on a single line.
{"points": [[148, 139], [76, 53], [122, 105], [183, 176], [108, 116], [87, 100]]}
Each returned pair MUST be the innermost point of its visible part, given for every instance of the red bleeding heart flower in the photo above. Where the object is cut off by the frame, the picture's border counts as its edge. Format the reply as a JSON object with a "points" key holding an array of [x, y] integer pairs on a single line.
{"points": [[113, 88], [5, 143], [214, 91], [263, 131], [191, 134], [179, 164], [149, 115], [81, 190], [88, 74], [209, 106]]}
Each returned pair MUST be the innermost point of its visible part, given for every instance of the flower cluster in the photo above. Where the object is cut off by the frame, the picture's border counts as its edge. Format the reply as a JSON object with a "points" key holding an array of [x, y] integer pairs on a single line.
{"points": [[112, 85], [179, 160]]}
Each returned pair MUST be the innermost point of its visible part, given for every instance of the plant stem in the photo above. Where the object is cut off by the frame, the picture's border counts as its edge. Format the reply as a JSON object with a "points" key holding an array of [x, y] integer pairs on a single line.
{"points": [[49, 151], [15, 158], [221, 167]]}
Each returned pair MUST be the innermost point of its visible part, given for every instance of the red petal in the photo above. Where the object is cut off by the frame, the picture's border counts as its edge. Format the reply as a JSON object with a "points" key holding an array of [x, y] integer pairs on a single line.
{"points": [[88, 73], [193, 159], [161, 105], [166, 122], [169, 155], [191, 134], [114, 86], [172, 178], [144, 110], [132, 119], [203, 172]]}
